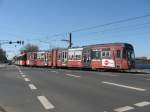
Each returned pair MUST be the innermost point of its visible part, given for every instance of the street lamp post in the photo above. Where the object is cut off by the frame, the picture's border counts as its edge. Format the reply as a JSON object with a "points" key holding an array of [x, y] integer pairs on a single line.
{"points": [[69, 41]]}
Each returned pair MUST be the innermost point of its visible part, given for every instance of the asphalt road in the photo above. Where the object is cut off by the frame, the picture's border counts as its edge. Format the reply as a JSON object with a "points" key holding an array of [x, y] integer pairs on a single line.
{"points": [[24, 89]]}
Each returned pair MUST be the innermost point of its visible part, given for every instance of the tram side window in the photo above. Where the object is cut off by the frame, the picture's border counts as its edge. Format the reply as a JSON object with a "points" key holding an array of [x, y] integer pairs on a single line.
{"points": [[118, 54], [42, 56], [59, 56], [34, 56], [71, 57], [103, 54], [78, 57], [62, 55], [96, 55], [106, 53], [38, 56], [65, 55]]}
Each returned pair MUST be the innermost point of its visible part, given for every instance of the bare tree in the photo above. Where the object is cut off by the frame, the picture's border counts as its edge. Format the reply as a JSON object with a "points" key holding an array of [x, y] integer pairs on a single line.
{"points": [[2, 56], [30, 48]]}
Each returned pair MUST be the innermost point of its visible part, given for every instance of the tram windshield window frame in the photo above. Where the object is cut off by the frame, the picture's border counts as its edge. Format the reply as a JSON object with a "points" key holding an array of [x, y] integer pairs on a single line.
{"points": [[130, 54], [24, 57]]}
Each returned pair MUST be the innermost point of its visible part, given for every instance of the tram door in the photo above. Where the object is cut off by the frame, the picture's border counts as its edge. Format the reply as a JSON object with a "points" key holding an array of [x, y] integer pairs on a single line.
{"points": [[64, 57], [46, 59], [118, 58], [86, 57]]}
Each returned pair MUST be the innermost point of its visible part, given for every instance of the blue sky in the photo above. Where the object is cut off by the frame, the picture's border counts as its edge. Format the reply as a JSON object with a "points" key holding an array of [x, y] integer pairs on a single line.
{"points": [[34, 20]]}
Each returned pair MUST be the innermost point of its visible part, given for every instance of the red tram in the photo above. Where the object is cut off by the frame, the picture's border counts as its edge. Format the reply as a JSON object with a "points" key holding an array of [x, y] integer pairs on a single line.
{"points": [[41, 59], [62, 57], [21, 60], [30, 60], [75, 58], [112, 56], [118, 56]]}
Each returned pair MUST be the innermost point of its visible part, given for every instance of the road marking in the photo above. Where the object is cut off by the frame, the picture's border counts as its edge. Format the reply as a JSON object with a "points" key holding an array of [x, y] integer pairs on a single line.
{"points": [[124, 86], [76, 76], [123, 109], [23, 75], [111, 75], [26, 79], [142, 104], [148, 79], [32, 86], [46, 104]]}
